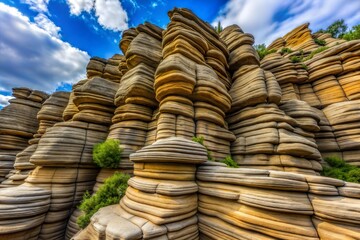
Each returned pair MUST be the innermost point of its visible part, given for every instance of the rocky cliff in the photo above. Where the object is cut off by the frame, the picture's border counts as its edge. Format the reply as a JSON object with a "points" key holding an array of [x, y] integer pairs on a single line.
{"points": [[278, 117]]}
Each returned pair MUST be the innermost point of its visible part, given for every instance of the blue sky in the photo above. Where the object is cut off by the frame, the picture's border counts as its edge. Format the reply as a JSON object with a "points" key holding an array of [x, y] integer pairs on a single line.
{"points": [[46, 44]]}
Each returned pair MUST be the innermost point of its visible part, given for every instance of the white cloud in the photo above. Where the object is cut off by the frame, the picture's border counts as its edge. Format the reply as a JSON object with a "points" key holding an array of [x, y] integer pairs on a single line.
{"points": [[78, 6], [37, 5], [45, 23], [154, 4], [110, 13], [31, 57], [4, 100], [262, 19]]}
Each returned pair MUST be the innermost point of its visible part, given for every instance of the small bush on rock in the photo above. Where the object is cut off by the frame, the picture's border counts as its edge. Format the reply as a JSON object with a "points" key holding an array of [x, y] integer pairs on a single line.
{"points": [[320, 42], [201, 141], [285, 50], [230, 162], [263, 51], [295, 59], [339, 169], [107, 154], [110, 193], [316, 51]]}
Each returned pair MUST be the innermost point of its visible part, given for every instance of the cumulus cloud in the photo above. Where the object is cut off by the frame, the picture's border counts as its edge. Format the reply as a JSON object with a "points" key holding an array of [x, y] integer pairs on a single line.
{"points": [[273, 19], [4, 100], [31, 57], [37, 5], [78, 6], [110, 13], [45, 23]]}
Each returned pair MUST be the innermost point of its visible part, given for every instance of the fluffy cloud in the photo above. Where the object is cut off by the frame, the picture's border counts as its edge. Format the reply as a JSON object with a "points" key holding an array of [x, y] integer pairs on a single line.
{"points": [[45, 23], [37, 5], [110, 13], [78, 6], [4, 100], [32, 57], [270, 20]]}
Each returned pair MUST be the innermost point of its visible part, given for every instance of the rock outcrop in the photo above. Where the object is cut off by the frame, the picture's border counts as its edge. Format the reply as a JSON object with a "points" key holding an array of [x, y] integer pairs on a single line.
{"points": [[161, 200], [50, 113], [277, 117], [18, 124]]}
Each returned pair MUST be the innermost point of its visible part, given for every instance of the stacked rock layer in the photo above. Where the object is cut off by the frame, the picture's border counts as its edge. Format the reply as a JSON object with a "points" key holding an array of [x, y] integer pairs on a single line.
{"points": [[50, 113], [161, 200], [191, 84], [329, 81], [263, 204], [18, 124], [63, 157], [269, 135], [277, 117]]}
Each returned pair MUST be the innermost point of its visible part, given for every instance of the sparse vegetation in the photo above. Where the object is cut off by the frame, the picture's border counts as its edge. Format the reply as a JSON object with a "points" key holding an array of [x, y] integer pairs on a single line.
{"points": [[337, 29], [110, 193], [320, 42], [107, 154], [285, 50], [218, 28], [262, 50], [304, 66], [313, 53], [296, 59], [339, 169], [201, 141], [230, 162], [353, 34]]}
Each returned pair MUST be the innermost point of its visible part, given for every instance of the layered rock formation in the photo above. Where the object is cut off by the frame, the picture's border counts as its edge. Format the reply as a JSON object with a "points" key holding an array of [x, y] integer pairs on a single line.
{"points": [[191, 84], [18, 124], [329, 81], [269, 135], [262, 204], [276, 117], [161, 200], [50, 113]]}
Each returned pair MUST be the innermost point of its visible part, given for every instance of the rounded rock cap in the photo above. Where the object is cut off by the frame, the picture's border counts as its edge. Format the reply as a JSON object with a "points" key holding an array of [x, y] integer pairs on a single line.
{"points": [[171, 150]]}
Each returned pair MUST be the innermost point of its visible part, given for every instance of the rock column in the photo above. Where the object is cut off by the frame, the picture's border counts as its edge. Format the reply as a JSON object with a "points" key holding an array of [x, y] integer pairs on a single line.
{"points": [[161, 200]]}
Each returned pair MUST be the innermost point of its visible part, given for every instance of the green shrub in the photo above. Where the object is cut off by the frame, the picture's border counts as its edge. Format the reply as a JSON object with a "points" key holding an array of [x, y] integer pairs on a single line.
{"points": [[313, 53], [353, 34], [339, 169], [295, 59], [218, 28], [107, 154], [201, 141], [320, 42], [230, 162], [304, 67], [285, 50], [262, 50], [110, 193]]}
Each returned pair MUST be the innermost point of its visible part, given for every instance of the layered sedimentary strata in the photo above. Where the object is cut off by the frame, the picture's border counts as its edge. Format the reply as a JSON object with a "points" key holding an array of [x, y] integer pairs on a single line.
{"points": [[106, 68], [332, 86], [63, 157], [18, 124], [191, 83], [50, 113], [161, 200], [277, 117], [269, 135], [266, 204]]}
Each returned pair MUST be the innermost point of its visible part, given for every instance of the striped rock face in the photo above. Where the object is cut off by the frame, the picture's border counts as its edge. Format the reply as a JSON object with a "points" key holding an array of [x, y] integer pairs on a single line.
{"points": [[277, 117]]}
